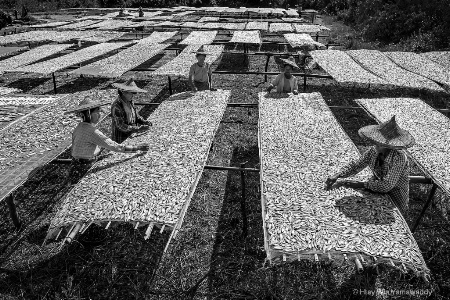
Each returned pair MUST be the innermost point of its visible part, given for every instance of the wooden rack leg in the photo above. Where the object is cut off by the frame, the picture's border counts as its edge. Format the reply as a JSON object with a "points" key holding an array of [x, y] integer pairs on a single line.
{"points": [[266, 67], [425, 207], [170, 85], [304, 82], [54, 83], [13, 211], [243, 204]]}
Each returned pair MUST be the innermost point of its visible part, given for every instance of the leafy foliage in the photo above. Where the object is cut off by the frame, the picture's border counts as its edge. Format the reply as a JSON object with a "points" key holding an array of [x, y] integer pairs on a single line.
{"points": [[418, 25]]}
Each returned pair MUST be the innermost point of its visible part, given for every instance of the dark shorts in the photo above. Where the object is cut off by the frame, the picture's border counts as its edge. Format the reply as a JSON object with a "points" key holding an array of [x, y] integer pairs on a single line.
{"points": [[201, 86]]}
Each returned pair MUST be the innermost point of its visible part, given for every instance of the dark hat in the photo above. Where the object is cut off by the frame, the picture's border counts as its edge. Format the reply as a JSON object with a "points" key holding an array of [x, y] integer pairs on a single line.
{"points": [[88, 103], [129, 86], [387, 134]]}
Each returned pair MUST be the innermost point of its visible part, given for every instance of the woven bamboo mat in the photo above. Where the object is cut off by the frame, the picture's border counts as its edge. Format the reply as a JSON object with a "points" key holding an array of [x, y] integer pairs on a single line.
{"points": [[155, 187], [301, 144]]}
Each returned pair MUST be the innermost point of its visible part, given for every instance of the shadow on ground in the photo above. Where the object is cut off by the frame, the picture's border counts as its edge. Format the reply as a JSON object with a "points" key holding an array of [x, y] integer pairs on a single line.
{"points": [[27, 84]]}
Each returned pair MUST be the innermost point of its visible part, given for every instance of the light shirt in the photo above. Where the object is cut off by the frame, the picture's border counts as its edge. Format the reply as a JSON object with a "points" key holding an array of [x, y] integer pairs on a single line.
{"points": [[87, 142], [200, 73], [279, 83]]}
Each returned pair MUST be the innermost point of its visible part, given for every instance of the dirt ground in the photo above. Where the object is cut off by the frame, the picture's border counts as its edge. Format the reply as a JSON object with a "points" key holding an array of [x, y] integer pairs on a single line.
{"points": [[209, 259]]}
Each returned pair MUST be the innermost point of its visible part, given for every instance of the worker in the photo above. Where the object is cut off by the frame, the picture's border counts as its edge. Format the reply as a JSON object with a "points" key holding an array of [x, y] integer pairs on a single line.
{"points": [[200, 72], [88, 141], [141, 12], [24, 13], [390, 165], [125, 118], [285, 82]]}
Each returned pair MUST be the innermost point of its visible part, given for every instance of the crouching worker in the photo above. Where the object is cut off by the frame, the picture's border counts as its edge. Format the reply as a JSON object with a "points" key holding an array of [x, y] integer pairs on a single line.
{"points": [[285, 82], [88, 141], [390, 166], [125, 119], [200, 73]]}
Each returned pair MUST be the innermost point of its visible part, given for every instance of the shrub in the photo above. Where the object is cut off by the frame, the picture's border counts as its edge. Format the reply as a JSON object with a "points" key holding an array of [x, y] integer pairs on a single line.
{"points": [[5, 19]]}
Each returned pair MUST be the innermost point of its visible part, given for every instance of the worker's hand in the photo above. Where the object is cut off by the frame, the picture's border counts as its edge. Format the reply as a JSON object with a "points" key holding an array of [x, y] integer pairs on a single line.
{"points": [[268, 89], [148, 123], [295, 92], [143, 147], [194, 89], [143, 128], [330, 182]]}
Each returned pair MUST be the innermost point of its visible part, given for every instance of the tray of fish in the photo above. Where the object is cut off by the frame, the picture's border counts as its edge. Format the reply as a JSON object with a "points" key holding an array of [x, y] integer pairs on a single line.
{"points": [[343, 68], [246, 37], [71, 59], [255, 25], [37, 138], [430, 129], [154, 187], [114, 66], [158, 37], [199, 38], [302, 40], [31, 56], [281, 27], [301, 144], [379, 64], [180, 65]]}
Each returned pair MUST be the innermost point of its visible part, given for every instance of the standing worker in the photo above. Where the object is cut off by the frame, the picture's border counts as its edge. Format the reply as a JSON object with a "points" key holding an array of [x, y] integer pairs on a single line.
{"points": [[200, 73], [125, 118], [389, 165]]}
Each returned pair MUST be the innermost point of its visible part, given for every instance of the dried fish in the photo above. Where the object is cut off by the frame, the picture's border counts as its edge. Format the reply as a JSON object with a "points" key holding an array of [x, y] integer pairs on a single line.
{"points": [[302, 40], [31, 56], [382, 66], [257, 26], [116, 65], [281, 27], [300, 140], [6, 91], [343, 68], [430, 128], [158, 37], [40, 136], [62, 62], [155, 187], [246, 37], [199, 38], [180, 65]]}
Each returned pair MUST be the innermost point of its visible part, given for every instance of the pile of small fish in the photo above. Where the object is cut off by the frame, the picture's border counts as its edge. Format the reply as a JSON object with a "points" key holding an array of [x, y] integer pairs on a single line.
{"points": [[156, 186], [430, 129], [301, 144]]}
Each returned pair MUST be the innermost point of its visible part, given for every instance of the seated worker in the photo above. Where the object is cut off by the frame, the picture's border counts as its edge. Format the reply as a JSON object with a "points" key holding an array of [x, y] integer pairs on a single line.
{"points": [[200, 73], [285, 82], [389, 165], [88, 141], [125, 118]]}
